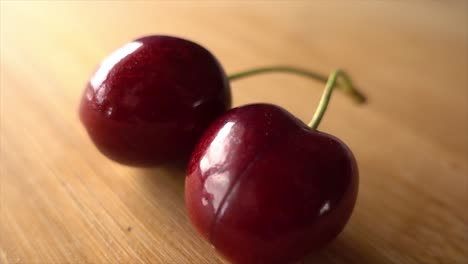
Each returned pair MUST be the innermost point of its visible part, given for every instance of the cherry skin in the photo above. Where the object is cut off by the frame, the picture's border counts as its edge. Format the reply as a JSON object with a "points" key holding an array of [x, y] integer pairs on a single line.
{"points": [[149, 101], [263, 187]]}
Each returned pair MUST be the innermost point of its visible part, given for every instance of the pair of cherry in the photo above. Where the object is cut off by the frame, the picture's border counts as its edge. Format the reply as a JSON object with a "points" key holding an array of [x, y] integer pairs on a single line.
{"points": [[261, 186]]}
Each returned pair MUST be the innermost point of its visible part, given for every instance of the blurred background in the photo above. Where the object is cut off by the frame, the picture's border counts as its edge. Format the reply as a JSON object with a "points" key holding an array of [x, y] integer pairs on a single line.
{"points": [[61, 201]]}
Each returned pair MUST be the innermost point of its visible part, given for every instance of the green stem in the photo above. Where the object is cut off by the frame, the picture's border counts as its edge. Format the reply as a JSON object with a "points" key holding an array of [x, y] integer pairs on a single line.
{"points": [[344, 83], [347, 87], [285, 69]]}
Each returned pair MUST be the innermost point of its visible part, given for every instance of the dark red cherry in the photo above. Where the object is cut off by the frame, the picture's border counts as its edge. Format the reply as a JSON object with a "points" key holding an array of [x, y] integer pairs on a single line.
{"points": [[149, 101], [263, 187]]}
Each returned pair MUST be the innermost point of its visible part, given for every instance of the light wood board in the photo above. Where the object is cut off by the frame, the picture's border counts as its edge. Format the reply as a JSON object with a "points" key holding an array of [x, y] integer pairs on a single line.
{"points": [[61, 201]]}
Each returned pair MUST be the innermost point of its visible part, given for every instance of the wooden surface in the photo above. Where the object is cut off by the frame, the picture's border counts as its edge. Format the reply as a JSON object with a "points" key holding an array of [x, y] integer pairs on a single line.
{"points": [[62, 202]]}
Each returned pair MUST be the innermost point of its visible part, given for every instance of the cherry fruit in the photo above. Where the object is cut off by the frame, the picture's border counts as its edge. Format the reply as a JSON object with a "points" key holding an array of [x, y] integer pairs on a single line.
{"points": [[148, 103], [263, 187]]}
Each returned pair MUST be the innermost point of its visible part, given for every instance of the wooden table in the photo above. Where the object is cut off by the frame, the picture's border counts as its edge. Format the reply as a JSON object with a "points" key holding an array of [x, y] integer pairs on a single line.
{"points": [[61, 201]]}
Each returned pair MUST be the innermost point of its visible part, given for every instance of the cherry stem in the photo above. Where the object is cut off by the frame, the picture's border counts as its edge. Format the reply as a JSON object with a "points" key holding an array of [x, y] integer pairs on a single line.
{"points": [[347, 87], [286, 69], [344, 83]]}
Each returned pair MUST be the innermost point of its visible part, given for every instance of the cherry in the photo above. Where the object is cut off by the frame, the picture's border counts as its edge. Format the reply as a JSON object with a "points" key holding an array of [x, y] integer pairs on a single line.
{"points": [[149, 101], [263, 187]]}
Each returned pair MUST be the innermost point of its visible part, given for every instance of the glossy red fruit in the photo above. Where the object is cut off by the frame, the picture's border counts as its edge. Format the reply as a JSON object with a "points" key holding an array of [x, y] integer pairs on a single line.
{"points": [[263, 187], [149, 101]]}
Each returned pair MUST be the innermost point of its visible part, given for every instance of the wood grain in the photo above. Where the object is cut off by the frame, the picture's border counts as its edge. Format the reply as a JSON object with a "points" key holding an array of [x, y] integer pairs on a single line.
{"points": [[63, 202]]}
